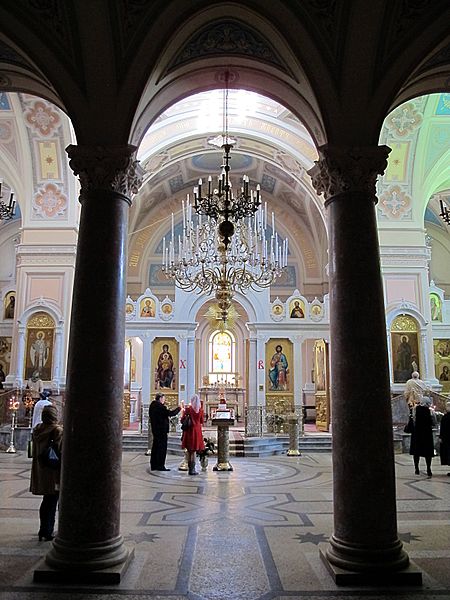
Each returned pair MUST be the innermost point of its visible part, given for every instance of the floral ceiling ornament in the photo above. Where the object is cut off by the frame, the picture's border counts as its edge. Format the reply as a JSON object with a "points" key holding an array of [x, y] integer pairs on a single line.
{"points": [[404, 120], [395, 203], [49, 201], [42, 118]]}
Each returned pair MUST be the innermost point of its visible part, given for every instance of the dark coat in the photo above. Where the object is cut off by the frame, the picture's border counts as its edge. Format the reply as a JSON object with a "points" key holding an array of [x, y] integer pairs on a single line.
{"points": [[159, 417], [44, 480], [422, 443], [444, 435]]}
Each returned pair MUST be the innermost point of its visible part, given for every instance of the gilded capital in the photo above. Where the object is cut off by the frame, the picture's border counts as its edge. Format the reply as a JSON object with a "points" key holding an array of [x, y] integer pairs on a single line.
{"points": [[110, 168], [348, 169]]}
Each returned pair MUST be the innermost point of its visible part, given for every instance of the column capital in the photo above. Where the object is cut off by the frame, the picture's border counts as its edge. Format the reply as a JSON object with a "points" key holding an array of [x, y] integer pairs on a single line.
{"points": [[343, 169], [108, 168]]}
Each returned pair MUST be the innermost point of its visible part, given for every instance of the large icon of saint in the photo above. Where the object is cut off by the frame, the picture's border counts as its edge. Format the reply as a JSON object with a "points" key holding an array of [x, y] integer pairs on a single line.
{"points": [[278, 370], [39, 351], [164, 369]]}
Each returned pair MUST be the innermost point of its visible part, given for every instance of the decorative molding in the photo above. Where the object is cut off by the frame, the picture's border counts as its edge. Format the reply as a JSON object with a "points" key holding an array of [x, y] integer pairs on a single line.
{"points": [[109, 168], [228, 37], [46, 260], [31, 250], [348, 169]]}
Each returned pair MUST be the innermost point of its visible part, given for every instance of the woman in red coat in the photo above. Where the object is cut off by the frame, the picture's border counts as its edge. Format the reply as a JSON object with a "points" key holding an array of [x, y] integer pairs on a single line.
{"points": [[192, 438]]}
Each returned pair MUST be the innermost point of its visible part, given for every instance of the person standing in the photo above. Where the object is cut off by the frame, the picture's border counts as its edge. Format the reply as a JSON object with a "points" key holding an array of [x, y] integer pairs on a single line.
{"points": [[35, 384], [192, 438], [422, 443], [2, 376], [159, 421], [45, 480], [39, 407], [444, 437], [415, 389]]}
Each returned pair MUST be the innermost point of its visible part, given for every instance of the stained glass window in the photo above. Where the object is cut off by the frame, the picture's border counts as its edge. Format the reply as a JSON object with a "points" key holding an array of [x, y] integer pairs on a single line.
{"points": [[221, 356]]}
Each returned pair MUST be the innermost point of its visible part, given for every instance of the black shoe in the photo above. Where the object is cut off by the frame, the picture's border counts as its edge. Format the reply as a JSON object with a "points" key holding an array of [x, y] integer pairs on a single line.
{"points": [[47, 538], [417, 472], [163, 469]]}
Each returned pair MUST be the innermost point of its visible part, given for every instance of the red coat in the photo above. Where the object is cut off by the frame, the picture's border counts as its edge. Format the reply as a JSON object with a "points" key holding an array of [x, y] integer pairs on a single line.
{"points": [[192, 438]]}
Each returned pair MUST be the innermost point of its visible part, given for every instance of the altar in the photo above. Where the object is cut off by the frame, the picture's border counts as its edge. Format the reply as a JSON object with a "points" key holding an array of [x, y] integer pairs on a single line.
{"points": [[212, 394]]}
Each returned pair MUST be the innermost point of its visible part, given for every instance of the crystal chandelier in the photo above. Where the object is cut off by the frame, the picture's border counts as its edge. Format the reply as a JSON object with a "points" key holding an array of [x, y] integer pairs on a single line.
{"points": [[201, 261], [225, 245], [6, 211], [445, 213]]}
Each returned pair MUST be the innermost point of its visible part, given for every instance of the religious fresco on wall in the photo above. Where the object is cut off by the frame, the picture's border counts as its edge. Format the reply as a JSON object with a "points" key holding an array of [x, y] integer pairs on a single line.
{"points": [[288, 278], [5, 356], [9, 305], [442, 362], [39, 347], [297, 309], [404, 348], [436, 307], [279, 365], [165, 362]]}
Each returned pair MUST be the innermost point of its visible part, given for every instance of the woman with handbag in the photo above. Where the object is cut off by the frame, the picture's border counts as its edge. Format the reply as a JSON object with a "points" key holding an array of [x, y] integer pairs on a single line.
{"points": [[46, 469], [192, 438]]}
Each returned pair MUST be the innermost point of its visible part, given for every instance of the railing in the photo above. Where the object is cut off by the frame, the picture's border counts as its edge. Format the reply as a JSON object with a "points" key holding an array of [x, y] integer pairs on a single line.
{"points": [[401, 410], [24, 414], [259, 421]]}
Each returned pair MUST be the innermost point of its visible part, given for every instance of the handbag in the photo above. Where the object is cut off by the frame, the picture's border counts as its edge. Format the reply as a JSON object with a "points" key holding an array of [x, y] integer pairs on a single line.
{"points": [[409, 427], [30, 449], [186, 422], [50, 457]]}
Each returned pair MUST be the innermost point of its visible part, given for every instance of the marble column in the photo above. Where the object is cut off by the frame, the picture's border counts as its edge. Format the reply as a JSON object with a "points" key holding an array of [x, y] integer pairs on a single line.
{"points": [[191, 367], [20, 356], [88, 541], [57, 355], [146, 368], [365, 545]]}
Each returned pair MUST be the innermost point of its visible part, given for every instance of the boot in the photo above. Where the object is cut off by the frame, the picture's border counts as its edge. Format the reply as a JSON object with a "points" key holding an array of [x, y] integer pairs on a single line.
{"points": [[192, 470]]}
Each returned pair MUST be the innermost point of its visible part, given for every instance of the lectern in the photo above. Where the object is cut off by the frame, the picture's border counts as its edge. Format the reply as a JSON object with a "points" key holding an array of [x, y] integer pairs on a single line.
{"points": [[223, 421]]}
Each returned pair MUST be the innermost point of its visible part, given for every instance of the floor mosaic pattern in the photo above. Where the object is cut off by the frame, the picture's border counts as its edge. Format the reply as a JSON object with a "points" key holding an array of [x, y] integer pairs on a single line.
{"points": [[250, 534]]}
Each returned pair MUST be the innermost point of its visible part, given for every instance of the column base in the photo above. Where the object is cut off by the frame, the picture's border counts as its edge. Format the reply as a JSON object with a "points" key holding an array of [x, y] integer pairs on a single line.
{"points": [[378, 577], [110, 575], [223, 466]]}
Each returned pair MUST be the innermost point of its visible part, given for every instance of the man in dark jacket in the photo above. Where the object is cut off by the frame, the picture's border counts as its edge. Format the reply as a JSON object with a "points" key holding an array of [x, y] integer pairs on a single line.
{"points": [[159, 420]]}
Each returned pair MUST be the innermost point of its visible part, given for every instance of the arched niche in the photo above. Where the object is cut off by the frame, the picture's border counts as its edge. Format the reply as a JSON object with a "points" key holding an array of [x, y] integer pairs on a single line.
{"points": [[40, 339], [405, 344]]}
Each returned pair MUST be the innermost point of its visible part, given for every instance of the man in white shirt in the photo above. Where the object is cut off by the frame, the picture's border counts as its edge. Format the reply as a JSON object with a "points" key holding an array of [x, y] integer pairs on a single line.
{"points": [[39, 407], [415, 389]]}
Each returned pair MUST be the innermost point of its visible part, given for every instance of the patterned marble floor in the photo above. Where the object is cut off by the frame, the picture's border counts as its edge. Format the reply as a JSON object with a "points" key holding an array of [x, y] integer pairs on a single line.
{"points": [[252, 534]]}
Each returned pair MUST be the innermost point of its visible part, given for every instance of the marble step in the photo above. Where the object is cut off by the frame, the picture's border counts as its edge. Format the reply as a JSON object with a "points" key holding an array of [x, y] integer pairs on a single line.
{"points": [[249, 447]]}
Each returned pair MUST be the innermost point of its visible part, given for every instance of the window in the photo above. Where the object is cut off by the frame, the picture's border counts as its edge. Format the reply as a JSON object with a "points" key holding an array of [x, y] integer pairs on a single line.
{"points": [[222, 347]]}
